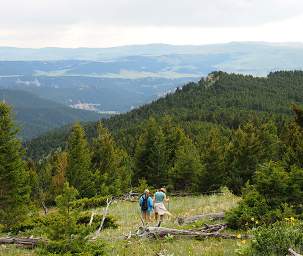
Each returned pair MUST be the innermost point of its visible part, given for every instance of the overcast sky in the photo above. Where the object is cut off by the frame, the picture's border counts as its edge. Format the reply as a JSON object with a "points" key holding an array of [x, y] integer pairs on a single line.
{"points": [[104, 23]]}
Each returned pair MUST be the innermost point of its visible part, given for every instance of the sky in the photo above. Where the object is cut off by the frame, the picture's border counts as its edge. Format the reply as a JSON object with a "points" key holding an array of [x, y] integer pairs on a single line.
{"points": [[107, 23]]}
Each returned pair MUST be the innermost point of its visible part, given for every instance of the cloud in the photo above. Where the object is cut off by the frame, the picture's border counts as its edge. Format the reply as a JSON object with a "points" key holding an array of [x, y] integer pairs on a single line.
{"points": [[197, 13], [100, 23]]}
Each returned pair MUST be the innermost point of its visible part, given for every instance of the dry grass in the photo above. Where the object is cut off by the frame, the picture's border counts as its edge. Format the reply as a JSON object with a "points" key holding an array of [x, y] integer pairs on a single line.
{"points": [[11, 250], [128, 218]]}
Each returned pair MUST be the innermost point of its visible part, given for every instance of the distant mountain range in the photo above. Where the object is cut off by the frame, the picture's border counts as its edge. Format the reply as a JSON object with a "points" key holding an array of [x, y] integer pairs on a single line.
{"points": [[256, 58], [119, 79], [35, 115]]}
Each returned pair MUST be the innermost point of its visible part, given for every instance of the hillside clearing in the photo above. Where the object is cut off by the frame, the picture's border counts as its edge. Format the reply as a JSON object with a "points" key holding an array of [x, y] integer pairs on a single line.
{"points": [[127, 215]]}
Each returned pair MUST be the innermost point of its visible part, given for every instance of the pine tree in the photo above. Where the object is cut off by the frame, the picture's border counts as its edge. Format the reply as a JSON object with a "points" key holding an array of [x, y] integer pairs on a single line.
{"points": [[150, 159], [60, 162], [251, 145], [78, 172], [299, 115], [174, 138], [14, 178], [212, 157], [103, 158], [187, 169], [111, 164], [292, 138]]}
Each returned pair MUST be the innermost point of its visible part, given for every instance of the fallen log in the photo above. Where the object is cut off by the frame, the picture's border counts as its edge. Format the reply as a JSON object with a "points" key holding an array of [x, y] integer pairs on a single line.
{"points": [[192, 219], [211, 228], [291, 252], [160, 232], [131, 197], [22, 242]]}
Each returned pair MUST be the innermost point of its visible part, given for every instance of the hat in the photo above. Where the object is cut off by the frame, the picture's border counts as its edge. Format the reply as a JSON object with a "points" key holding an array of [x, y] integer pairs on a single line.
{"points": [[163, 190]]}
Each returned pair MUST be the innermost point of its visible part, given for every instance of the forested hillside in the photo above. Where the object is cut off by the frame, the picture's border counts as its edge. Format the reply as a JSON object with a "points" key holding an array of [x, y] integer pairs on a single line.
{"points": [[36, 116], [226, 133], [222, 99]]}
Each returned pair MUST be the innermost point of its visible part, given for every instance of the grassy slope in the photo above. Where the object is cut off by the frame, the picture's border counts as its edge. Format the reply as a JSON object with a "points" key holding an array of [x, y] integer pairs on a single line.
{"points": [[128, 217]]}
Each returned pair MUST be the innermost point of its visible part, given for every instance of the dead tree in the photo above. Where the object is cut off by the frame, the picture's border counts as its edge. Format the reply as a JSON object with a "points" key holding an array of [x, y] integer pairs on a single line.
{"points": [[160, 232], [105, 212], [291, 252], [45, 209], [91, 218], [192, 219]]}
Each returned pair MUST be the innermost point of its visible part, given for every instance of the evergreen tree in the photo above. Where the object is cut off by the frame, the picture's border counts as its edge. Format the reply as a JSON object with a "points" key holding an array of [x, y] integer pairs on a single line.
{"points": [[187, 169], [60, 162], [111, 164], [14, 178], [44, 194], [174, 138], [66, 222], [212, 157], [299, 115], [292, 138], [251, 145], [78, 172], [150, 161]]}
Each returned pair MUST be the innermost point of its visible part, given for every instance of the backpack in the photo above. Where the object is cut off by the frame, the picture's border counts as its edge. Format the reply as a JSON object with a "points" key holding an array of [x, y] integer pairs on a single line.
{"points": [[144, 205]]}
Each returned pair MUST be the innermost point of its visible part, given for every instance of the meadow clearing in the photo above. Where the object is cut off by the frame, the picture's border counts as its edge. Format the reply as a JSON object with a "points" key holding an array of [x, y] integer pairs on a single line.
{"points": [[127, 215]]}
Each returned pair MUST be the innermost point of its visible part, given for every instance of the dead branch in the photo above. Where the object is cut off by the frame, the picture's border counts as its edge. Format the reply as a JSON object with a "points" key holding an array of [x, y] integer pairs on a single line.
{"points": [[108, 203], [192, 219], [22, 242], [91, 218], [44, 208], [291, 252]]}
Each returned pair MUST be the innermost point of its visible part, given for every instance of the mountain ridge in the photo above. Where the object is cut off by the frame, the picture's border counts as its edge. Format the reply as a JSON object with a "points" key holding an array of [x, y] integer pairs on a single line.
{"points": [[35, 115], [231, 100]]}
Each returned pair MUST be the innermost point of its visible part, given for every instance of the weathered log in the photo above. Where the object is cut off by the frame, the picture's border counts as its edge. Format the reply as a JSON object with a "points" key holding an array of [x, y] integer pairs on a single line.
{"points": [[211, 228], [192, 219], [23, 242], [159, 232], [291, 252]]}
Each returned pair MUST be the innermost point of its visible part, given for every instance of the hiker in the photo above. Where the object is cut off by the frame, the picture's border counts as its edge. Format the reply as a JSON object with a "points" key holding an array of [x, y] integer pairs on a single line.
{"points": [[159, 207], [146, 204]]}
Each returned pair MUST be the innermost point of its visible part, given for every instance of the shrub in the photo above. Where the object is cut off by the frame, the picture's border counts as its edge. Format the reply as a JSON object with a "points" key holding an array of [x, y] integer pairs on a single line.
{"points": [[88, 203], [254, 211], [277, 238], [76, 246], [84, 218], [272, 181], [46, 221], [276, 194]]}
